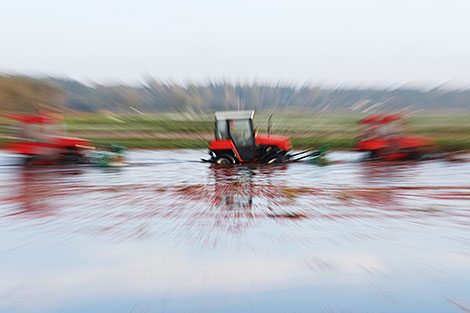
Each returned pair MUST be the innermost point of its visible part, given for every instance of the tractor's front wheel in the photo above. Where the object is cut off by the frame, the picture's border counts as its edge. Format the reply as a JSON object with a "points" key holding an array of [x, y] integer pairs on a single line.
{"points": [[224, 160]]}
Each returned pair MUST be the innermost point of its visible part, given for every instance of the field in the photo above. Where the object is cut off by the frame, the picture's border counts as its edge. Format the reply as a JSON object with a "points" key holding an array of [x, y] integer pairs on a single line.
{"points": [[309, 130]]}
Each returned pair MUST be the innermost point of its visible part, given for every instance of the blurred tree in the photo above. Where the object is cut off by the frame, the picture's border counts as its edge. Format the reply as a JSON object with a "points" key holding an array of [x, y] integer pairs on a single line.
{"points": [[25, 95], [19, 93]]}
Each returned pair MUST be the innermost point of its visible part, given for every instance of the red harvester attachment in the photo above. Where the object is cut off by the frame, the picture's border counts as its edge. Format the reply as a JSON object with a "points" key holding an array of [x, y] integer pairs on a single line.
{"points": [[387, 137], [39, 138]]}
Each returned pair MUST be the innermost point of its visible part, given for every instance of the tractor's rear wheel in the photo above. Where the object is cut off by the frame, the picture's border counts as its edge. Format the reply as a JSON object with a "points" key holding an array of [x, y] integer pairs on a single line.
{"points": [[372, 155], [71, 156], [275, 159], [224, 160], [29, 160], [414, 154]]}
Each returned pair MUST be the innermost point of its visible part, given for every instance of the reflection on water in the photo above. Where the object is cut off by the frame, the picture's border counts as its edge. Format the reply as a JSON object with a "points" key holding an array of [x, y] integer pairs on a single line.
{"points": [[32, 189], [172, 235]]}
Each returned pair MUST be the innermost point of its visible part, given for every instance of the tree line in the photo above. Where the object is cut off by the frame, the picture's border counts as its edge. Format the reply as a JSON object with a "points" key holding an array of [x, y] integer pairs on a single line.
{"points": [[27, 94]]}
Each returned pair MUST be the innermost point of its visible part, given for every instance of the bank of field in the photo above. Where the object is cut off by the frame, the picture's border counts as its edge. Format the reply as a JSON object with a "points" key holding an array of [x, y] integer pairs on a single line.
{"points": [[308, 130]]}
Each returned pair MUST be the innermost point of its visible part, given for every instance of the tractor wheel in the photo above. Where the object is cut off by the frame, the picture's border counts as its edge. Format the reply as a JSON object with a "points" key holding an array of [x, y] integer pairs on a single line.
{"points": [[275, 159], [29, 160], [372, 155], [224, 160], [414, 154], [70, 157]]}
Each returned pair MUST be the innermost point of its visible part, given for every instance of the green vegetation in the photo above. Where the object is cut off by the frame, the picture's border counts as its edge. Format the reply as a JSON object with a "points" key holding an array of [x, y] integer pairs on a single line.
{"points": [[26, 95], [163, 122], [453, 144], [334, 143], [152, 143]]}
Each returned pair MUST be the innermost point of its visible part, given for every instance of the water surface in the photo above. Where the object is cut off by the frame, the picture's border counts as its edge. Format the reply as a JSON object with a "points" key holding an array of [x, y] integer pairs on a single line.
{"points": [[170, 234]]}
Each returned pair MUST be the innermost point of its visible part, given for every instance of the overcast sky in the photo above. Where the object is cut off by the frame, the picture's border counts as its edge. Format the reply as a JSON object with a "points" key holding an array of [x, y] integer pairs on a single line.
{"points": [[368, 42]]}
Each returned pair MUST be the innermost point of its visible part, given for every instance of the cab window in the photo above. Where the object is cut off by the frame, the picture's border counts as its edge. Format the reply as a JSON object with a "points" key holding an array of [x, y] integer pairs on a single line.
{"points": [[221, 131], [241, 132]]}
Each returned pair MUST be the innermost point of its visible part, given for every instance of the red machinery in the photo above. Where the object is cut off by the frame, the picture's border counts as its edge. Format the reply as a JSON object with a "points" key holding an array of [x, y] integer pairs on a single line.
{"points": [[39, 137], [386, 136], [237, 142]]}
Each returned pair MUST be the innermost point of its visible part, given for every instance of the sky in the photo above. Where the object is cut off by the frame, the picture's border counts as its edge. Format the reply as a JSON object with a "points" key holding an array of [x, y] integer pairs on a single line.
{"points": [[334, 42]]}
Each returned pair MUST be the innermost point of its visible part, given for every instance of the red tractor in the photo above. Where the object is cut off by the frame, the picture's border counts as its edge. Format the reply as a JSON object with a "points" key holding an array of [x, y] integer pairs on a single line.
{"points": [[386, 137], [237, 142], [39, 138]]}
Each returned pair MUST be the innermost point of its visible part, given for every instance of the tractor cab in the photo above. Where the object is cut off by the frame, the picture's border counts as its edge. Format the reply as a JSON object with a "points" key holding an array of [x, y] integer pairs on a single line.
{"points": [[237, 142], [237, 127], [387, 136]]}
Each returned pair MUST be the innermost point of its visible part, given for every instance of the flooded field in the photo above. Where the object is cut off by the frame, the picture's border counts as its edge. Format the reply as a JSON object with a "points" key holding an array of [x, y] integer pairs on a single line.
{"points": [[170, 234]]}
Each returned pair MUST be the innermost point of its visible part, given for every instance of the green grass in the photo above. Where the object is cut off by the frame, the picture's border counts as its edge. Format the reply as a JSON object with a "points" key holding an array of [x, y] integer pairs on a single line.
{"points": [[151, 143], [333, 143], [453, 144], [167, 123]]}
